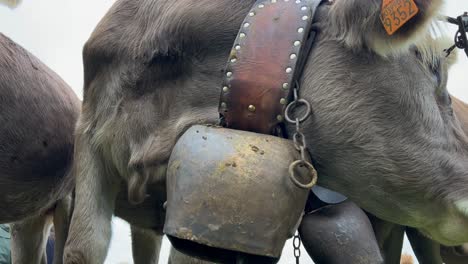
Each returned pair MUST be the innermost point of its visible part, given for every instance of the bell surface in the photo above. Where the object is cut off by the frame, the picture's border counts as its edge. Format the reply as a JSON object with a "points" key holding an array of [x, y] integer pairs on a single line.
{"points": [[229, 191]]}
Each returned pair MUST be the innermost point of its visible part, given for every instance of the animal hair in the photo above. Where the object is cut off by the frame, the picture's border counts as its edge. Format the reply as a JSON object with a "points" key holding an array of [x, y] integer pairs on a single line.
{"points": [[431, 51], [357, 24], [153, 68]]}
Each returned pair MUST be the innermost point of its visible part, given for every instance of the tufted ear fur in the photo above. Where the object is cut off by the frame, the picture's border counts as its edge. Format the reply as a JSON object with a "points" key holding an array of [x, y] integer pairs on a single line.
{"points": [[10, 3], [462, 206], [357, 23]]}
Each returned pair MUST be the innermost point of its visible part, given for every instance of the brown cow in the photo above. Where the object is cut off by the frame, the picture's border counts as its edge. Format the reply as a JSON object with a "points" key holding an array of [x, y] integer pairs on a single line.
{"points": [[382, 132], [38, 112]]}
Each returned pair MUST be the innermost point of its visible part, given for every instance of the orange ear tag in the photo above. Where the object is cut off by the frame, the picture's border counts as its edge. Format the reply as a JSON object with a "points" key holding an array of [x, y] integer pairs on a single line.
{"points": [[395, 13]]}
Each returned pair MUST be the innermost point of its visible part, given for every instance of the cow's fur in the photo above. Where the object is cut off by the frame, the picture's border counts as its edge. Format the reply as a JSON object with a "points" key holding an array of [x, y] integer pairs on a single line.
{"points": [[392, 116], [38, 111], [382, 131], [358, 25]]}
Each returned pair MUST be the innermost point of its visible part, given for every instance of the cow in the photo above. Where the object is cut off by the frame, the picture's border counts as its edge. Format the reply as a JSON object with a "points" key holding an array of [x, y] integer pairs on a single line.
{"points": [[38, 112], [382, 132], [390, 235]]}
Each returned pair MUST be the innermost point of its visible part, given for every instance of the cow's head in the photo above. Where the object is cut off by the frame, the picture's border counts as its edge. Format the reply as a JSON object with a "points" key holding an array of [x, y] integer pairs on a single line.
{"points": [[382, 132]]}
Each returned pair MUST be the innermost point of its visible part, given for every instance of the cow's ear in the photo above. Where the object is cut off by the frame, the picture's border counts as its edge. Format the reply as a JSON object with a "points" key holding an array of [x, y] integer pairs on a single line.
{"points": [[358, 23]]}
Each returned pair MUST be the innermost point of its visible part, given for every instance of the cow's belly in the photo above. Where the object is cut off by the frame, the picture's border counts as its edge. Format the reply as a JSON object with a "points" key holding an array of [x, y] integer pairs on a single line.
{"points": [[149, 214], [20, 200]]}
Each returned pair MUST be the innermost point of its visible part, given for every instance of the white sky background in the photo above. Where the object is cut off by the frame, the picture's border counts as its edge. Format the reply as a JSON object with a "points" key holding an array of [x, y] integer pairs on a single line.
{"points": [[55, 31]]}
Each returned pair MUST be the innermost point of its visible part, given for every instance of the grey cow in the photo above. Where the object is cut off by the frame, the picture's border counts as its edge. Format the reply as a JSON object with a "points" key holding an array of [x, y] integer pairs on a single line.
{"points": [[38, 112], [383, 130]]}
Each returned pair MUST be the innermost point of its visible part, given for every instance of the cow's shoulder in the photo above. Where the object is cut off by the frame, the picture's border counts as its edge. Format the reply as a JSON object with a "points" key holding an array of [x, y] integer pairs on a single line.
{"points": [[157, 30]]}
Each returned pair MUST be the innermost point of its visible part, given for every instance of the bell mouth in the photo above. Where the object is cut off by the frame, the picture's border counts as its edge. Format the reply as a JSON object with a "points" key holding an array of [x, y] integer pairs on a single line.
{"points": [[218, 255]]}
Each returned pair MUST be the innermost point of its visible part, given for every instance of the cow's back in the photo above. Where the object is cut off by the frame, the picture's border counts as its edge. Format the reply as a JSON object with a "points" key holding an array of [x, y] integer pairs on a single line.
{"points": [[38, 111]]}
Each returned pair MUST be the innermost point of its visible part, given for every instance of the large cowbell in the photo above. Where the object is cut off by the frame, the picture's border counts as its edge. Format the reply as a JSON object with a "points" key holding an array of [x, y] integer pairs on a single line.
{"points": [[230, 195], [233, 195]]}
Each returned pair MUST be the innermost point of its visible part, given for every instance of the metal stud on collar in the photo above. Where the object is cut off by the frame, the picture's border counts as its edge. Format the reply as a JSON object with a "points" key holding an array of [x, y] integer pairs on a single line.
{"points": [[288, 113], [271, 79], [241, 54]]}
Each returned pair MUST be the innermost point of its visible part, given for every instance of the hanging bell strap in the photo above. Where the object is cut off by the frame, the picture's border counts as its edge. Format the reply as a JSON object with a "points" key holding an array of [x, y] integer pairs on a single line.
{"points": [[267, 56]]}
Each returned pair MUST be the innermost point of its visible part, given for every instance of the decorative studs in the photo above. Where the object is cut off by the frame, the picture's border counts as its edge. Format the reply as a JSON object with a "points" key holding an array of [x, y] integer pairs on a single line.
{"points": [[279, 118], [286, 0], [252, 108], [293, 56], [304, 8], [285, 86], [261, 6], [246, 24], [288, 70], [305, 18], [297, 43], [242, 35], [229, 74], [238, 47], [298, 1], [282, 101], [225, 89], [233, 60], [300, 30], [252, 14], [273, 1], [223, 105]]}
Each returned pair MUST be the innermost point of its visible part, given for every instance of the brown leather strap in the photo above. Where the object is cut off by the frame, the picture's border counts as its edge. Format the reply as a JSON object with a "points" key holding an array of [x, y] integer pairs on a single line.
{"points": [[263, 62]]}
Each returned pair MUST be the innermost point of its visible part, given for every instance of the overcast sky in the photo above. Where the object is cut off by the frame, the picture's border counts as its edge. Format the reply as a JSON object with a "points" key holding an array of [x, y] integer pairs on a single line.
{"points": [[55, 31]]}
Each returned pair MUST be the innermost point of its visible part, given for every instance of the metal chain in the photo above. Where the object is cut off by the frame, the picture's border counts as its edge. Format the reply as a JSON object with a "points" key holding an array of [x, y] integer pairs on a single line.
{"points": [[300, 143], [299, 139], [297, 247]]}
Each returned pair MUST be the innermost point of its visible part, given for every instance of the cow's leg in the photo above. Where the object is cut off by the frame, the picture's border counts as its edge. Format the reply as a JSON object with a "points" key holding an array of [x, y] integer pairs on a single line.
{"points": [[146, 245], [345, 235], [426, 250], [62, 217], [28, 240], [390, 239], [95, 192], [176, 257]]}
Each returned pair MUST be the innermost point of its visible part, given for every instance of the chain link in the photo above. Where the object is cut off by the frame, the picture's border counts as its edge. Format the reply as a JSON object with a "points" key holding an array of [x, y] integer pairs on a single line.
{"points": [[297, 247], [300, 143], [299, 139]]}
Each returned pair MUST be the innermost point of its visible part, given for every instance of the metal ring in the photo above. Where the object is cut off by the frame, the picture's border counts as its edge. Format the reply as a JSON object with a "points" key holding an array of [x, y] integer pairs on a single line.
{"points": [[294, 103], [312, 170], [297, 242], [299, 136]]}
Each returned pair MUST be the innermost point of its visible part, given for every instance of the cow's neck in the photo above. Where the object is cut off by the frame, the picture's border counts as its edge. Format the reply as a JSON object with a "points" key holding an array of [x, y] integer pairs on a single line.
{"points": [[461, 111]]}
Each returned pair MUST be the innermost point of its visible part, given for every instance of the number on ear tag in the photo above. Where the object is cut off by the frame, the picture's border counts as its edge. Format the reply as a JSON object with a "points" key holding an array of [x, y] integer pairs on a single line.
{"points": [[395, 13]]}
